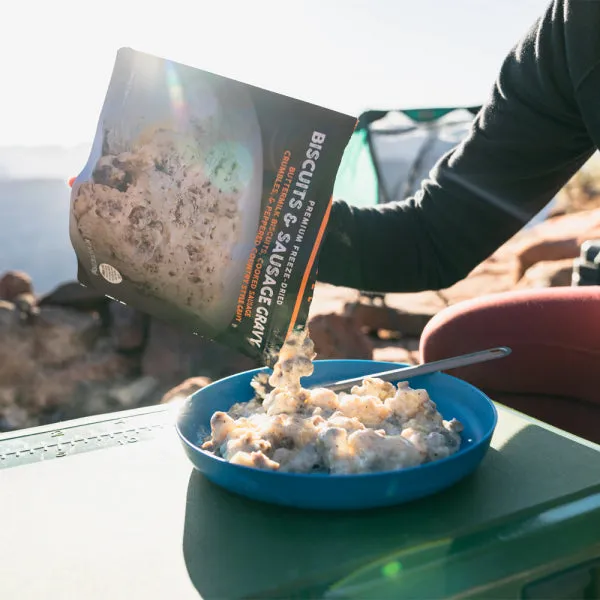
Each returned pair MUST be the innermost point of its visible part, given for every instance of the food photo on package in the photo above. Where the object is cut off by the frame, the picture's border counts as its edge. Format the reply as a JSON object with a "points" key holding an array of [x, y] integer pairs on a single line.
{"points": [[204, 201]]}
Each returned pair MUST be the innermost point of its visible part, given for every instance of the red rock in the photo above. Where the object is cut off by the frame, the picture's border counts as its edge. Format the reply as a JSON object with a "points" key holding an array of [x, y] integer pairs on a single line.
{"points": [[77, 296], [12, 416], [172, 355], [396, 354], [575, 225], [16, 348], [8, 396], [8, 317], [329, 299], [338, 336], [62, 335], [16, 360], [56, 387], [134, 393], [374, 317], [185, 389], [553, 273], [14, 283], [127, 327], [388, 334], [419, 303], [556, 239], [544, 251], [26, 304], [488, 278], [16, 417]]}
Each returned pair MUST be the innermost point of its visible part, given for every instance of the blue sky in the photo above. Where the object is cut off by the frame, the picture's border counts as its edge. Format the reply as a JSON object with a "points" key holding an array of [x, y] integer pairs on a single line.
{"points": [[57, 56]]}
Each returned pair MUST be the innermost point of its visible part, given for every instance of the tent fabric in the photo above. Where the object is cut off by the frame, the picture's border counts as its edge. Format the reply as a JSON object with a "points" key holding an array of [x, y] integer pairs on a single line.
{"points": [[391, 152], [418, 115]]}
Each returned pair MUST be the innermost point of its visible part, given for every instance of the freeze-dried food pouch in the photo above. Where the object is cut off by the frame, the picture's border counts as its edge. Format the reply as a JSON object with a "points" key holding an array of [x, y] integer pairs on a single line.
{"points": [[204, 201]]}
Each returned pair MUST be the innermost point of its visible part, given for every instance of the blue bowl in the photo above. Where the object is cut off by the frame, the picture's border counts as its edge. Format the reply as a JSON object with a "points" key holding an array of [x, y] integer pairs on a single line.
{"points": [[454, 398]]}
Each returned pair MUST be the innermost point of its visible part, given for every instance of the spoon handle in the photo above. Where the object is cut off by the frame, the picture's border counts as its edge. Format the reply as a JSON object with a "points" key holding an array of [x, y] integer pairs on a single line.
{"points": [[404, 373]]}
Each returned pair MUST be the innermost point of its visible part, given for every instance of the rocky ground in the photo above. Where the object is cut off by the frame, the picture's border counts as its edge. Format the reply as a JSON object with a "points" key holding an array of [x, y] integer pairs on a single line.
{"points": [[72, 353]]}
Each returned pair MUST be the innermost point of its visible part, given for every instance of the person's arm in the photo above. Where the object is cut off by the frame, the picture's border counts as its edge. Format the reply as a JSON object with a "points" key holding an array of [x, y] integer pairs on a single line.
{"points": [[525, 144]]}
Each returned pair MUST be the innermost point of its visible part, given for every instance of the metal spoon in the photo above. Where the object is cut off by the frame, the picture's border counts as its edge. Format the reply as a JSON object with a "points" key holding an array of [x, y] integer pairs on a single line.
{"points": [[404, 373]]}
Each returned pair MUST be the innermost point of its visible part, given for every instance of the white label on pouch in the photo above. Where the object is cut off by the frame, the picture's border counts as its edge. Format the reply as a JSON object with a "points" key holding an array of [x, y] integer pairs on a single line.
{"points": [[110, 273]]}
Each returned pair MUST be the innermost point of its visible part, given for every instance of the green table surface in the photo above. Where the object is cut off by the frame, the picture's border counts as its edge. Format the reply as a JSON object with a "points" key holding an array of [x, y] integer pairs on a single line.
{"points": [[136, 521]]}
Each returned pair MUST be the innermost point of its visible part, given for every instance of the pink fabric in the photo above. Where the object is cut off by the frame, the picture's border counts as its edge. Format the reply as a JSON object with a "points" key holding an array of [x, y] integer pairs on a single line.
{"points": [[553, 372]]}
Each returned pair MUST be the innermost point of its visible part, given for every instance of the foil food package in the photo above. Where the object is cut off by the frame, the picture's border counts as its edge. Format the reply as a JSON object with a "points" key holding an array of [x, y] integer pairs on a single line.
{"points": [[204, 201]]}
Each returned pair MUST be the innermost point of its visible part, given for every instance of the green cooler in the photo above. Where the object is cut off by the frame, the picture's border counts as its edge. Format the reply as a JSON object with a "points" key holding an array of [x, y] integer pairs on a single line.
{"points": [[109, 508]]}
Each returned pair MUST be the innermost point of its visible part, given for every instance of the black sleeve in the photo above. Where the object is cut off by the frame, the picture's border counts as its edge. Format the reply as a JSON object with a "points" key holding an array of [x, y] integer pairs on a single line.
{"points": [[525, 144]]}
